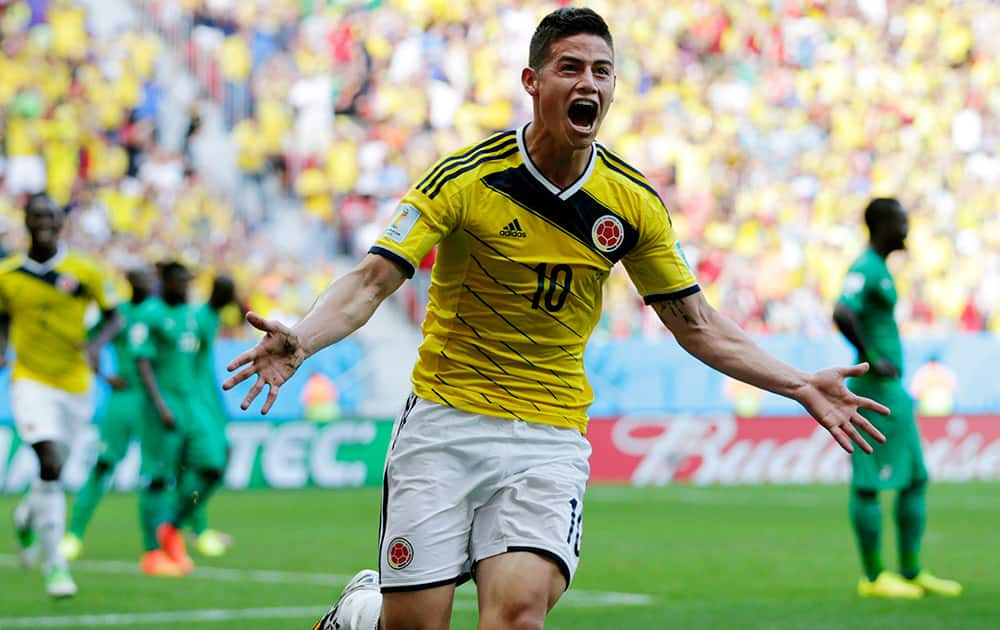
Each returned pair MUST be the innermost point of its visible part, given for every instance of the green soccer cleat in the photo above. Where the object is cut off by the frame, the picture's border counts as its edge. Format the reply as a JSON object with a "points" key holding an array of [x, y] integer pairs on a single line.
{"points": [[889, 585], [59, 583], [213, 543], [71, 547], [933, 585], [27, 547]]}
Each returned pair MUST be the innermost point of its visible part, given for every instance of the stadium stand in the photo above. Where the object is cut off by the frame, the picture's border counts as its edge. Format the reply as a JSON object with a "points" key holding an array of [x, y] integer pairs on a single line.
{"points": [[764, 129]]}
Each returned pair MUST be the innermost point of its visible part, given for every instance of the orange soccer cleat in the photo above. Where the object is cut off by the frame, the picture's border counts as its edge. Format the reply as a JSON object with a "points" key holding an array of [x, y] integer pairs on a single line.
{"points": [[172, 542], [158, 563]]}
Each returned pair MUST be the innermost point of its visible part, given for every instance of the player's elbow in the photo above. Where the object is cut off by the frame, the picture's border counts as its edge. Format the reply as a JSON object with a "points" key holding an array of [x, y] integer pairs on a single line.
{"points": [[379, 277], [842, 316]]}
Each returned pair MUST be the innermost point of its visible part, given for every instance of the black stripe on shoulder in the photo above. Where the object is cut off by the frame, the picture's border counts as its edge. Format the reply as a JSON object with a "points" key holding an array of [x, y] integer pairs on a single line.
{"points": [[612, 163], [486, 158], [450, 161], [403, 264], [673, 295], [620, 162], [65, 283]]}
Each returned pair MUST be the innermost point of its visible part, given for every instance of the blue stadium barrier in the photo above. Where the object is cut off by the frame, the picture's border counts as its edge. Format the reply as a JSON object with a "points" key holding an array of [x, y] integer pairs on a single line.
{"points": [[641, 376], [340, 364]]}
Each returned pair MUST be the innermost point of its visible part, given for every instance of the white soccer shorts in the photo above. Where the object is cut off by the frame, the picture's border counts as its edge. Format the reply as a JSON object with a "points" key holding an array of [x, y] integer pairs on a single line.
{"points": [[460, 487], [42, 412]]}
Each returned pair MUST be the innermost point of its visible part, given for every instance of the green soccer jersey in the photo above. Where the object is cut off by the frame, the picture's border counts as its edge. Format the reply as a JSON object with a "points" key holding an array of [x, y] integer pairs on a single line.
{"points": [[870, 292], [209, 322], [174, 337], [131, 334]]}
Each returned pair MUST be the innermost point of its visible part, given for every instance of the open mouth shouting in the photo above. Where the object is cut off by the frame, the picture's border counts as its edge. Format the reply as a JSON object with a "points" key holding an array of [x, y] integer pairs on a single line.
{"points": [[582, 115]]}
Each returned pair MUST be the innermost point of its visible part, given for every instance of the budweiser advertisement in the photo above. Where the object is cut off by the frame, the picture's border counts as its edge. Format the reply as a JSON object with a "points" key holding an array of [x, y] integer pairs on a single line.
{"points": [[657, 450]]}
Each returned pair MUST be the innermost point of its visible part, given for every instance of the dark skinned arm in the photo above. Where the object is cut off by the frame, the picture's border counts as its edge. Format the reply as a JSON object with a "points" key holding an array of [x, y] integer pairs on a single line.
{"points": [[153, 389], [849, 326]]}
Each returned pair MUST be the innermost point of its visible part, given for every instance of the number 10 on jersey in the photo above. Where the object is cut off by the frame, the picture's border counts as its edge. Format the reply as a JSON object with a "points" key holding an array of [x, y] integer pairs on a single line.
{"points": [[553, 288]]}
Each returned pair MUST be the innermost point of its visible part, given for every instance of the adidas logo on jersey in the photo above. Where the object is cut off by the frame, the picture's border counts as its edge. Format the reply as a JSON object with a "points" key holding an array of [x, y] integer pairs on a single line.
{"points": [[513, 230]]}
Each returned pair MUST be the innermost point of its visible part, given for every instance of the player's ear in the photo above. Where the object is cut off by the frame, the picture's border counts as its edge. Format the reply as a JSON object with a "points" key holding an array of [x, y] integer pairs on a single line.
{"points": [[529, 79]]}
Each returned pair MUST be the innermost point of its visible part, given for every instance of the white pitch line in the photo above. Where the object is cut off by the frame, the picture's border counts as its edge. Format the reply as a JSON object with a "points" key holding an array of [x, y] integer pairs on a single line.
{"points": [[150, 618], [574, 597], [580, 600], [259, 576]]}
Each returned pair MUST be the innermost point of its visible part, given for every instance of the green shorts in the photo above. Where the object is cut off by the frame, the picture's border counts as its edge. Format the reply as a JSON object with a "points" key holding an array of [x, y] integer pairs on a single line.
{"points": [[194, 442], [216, 410], [900, 461], [121, 422]]}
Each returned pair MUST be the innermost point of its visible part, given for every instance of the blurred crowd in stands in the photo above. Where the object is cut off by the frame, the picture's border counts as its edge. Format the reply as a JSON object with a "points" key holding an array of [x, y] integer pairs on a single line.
{"points": [[766, 125]]}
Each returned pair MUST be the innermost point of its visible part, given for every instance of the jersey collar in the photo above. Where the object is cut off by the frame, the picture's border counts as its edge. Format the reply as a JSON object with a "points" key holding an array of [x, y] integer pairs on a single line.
{"points": [[565, 193], [42, 268]]}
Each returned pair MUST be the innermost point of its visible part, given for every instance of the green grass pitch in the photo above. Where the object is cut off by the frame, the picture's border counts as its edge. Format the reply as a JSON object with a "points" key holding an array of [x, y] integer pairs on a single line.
{"points": [[673, 557]]}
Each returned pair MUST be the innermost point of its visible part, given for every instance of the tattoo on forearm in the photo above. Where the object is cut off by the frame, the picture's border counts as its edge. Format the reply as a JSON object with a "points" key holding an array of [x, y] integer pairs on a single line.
{"points": [[676, 309]]}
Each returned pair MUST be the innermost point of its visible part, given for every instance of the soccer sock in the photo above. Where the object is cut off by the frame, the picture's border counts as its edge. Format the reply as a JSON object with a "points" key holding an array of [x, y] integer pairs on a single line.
{"points": [[88, 497], [154, 507], [195, 489], [199, 519], [911, 516], [363, 609], [866, 517], [48, 510]]}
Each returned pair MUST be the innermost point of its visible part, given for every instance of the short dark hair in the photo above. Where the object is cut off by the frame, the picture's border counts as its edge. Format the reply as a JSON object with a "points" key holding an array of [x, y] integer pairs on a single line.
{"points": [[37, 198], [172, 267], [880, 209], [562, 23]]}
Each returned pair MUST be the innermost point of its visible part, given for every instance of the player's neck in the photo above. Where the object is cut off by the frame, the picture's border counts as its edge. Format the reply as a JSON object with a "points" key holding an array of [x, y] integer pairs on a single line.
{"points": [[560, 164], [883, 251], [42, 253]]}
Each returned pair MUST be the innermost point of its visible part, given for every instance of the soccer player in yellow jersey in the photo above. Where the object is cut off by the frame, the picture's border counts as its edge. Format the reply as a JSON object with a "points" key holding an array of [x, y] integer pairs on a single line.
{"points": [[487, 466], [43, 298]]}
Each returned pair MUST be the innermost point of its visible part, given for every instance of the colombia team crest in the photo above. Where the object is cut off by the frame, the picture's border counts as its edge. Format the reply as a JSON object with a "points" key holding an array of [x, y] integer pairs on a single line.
{"points": [[67, 284], [399, 554], [608, 233]]}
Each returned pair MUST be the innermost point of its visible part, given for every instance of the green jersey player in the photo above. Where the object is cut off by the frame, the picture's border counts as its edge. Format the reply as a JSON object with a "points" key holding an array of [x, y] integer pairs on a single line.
{"points": [[210, 542], [865, 315], [123, 415], [182, 439]]}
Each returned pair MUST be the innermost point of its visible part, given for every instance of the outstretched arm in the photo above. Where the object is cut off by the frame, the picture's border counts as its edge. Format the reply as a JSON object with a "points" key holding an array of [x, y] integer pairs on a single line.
{"points": [[343, 307], [719, 343]]}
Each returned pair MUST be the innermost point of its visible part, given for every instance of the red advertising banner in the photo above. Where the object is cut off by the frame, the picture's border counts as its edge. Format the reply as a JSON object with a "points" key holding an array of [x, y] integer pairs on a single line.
{"points": [[657, 450]]}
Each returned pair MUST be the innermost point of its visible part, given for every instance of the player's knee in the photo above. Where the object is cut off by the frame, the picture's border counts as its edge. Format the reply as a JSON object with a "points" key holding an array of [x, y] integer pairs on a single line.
{"points": [[102, 467], [50, 470], [515, 613], [866, 495], [49, 460], [211, 476], [522, 607]]}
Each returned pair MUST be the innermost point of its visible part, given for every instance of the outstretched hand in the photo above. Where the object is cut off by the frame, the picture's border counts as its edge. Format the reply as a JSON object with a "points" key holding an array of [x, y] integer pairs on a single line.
{"points": [[274, 359], [826, 397]]}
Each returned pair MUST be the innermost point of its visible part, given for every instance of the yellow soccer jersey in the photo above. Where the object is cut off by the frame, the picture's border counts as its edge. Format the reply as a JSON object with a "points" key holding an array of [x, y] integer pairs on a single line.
{"points": [[46, 303], [516, 287]]}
